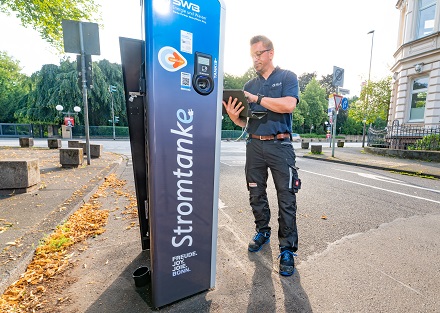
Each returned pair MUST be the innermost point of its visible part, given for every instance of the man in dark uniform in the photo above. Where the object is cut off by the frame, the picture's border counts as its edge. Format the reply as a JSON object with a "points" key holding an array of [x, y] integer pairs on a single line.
{"points": [[275, 93]]}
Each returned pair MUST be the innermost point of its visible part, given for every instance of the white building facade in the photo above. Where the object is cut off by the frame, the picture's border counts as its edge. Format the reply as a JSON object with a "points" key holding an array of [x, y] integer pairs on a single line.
{"points": [[415, 99]]}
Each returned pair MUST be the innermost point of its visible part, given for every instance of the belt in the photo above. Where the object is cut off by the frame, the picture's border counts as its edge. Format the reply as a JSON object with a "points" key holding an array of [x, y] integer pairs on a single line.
{"points": [[270, 137]]}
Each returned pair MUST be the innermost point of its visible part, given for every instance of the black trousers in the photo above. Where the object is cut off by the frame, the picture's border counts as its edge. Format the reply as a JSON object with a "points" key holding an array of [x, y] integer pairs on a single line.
{"points": [[279, 157]]}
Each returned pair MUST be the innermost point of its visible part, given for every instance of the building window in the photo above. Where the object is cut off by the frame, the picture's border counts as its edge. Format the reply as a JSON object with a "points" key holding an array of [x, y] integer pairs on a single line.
{"points": [[418, 98], [426, 18]]}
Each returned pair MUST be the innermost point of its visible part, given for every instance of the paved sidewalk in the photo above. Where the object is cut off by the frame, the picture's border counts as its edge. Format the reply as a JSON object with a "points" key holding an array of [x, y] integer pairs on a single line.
{"points": [[26, 218], [360, 157]]}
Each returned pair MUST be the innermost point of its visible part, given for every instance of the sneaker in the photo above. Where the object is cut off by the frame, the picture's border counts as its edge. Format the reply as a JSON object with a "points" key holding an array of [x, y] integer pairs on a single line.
{"points": [[287, 263], [258, 241]]}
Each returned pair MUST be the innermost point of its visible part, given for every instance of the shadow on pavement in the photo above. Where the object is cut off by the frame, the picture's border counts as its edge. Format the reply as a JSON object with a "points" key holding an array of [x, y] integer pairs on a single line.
{"points": [[123, 295], [264, 296], [295, 298]]}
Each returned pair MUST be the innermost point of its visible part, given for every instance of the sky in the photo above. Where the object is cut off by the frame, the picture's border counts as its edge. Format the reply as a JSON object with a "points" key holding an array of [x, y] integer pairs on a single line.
{"points": [[308, 36]]}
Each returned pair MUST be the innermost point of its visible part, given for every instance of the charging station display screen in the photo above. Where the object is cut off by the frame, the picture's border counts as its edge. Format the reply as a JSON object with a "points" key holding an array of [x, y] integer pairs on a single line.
{"points": [[204, 61]]}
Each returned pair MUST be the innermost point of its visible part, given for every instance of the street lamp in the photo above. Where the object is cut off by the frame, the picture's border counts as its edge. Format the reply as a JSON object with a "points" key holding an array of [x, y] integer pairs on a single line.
{"points": [[371, 52], [77, 109], [368, 83]]}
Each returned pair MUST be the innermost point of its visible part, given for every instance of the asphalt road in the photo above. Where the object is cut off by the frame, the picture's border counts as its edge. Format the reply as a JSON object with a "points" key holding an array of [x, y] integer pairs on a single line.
{"points": [[361, 231]]}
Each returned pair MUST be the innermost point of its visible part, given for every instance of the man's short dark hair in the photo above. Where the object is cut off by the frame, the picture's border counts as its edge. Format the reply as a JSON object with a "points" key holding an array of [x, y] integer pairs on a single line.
{"points": [[267, 43]]}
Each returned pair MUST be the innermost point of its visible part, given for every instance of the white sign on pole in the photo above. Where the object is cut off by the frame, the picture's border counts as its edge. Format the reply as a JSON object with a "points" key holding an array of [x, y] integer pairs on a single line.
{"points": [[331, 105], [338, 76], [343, 91]]}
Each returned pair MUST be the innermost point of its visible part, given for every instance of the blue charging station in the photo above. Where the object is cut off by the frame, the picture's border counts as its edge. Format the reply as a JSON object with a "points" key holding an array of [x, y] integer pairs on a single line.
{"points": [[182, 95]]}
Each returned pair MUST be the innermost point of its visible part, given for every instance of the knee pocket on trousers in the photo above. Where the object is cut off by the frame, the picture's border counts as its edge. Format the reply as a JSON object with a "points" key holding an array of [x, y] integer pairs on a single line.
{"points": [[295, 181]]}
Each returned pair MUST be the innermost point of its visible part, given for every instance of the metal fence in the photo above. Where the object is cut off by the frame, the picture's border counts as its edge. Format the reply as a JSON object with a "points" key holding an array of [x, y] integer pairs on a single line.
{"points": [[405, 137], [121, 132], [233, 134], [15, 130], [29, 130]]}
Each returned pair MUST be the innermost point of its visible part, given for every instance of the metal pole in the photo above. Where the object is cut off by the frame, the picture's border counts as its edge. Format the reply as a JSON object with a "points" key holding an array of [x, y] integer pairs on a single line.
{"points": [[113, 115], [363, 134], [371, 53], [334, 124], [334, 131], [70, 127], [84, 89], [331, 132], [368, 83]]}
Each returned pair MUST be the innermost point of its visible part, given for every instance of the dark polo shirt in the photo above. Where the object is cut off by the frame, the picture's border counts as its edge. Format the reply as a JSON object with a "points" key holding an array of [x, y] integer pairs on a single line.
{"points": [[280, 83]]}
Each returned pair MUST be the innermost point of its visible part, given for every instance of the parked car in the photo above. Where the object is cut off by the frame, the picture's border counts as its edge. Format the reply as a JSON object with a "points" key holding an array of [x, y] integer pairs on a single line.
{"points": [[296, 137]]}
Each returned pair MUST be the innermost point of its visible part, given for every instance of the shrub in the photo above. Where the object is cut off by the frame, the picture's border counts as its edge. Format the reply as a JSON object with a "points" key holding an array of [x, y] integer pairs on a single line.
{"points": [[430, 142]]}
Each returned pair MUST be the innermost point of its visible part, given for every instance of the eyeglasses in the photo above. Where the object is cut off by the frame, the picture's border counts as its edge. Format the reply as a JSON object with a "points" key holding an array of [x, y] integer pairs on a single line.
{"points": [[259, 53]]}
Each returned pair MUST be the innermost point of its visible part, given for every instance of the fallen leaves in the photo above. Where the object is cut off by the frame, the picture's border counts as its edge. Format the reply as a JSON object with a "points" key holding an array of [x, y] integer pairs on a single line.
{"points": [[4, 225], [53, 256]]}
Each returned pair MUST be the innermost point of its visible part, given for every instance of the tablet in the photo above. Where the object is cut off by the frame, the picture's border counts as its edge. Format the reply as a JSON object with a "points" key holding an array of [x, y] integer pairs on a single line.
{"points": [[239, 94]]}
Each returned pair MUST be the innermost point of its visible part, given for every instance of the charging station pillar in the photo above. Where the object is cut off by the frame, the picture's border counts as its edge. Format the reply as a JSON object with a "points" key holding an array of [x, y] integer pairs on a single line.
{"points": [[184, 85]]}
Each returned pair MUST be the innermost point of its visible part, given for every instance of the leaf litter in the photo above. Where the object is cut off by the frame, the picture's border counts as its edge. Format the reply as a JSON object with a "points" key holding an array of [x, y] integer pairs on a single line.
{"points": [[54, 254]]}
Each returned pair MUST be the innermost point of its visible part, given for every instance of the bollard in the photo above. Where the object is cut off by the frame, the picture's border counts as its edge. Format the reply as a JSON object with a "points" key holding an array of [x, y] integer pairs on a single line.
{"points": [[54, 143], [316, 149], [26, 142]]}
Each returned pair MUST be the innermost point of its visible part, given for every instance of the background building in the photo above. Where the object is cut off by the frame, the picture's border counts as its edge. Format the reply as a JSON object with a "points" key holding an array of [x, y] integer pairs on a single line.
{"points": [[415, 99]]}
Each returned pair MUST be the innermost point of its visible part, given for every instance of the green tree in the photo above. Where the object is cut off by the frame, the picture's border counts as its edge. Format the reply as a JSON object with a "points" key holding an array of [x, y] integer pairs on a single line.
{"points": [[326, 82], [13, 87], [38, 107], [46, 16], [298, 116], [351, 127], [104, 75], [304, 80], [58, 85], [315, 97], [373, 102], [235, 82], [345, 123]]}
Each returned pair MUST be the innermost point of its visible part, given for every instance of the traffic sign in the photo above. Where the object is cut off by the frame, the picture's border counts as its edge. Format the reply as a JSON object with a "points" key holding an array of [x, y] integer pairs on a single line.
{"points": [[338, 76], [344, 104], [338, 99], [112, 88], [343, 91]]}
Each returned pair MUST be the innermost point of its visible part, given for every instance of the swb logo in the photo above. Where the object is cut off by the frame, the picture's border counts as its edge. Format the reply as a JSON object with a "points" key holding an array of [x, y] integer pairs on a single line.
{"points": [[188, 5]]}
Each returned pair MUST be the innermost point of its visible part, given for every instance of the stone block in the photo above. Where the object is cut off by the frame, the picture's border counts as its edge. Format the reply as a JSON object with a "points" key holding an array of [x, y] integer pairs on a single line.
{"points": [[26, 142], [83, 145], [71, 157], [73, 144], [95, 150], [316, 149], [304, 145], [54, 143], [19, 176]]}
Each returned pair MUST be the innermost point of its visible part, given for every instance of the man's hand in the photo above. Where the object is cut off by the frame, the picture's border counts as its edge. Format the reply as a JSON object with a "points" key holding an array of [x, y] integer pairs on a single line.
{"points": [[250, 97], [234, 109]]}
